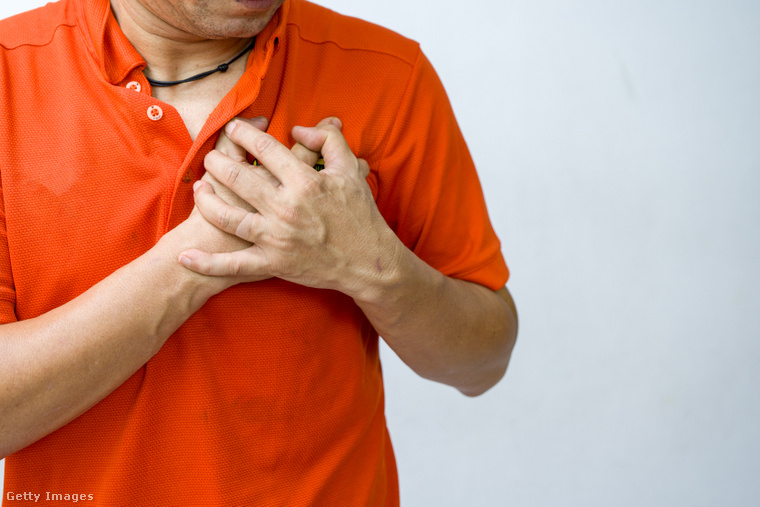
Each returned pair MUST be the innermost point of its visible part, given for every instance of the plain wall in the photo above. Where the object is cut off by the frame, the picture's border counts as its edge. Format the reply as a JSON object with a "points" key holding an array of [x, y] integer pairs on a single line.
{"points": [[618, 144]]}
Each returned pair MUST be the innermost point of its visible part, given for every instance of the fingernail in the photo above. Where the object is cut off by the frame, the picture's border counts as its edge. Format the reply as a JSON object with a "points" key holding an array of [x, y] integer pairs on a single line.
{"points": [[184, 261], [336, 121], [196, 185], [230, 127], [260, 122]]}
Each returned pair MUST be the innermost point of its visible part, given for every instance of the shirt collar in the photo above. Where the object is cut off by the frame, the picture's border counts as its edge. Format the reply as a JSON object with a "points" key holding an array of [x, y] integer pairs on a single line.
{"points": [[117, 57]]}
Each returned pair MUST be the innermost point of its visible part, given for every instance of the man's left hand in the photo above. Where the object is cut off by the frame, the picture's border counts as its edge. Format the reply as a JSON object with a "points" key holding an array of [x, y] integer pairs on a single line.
{"points": [[319, 229]]}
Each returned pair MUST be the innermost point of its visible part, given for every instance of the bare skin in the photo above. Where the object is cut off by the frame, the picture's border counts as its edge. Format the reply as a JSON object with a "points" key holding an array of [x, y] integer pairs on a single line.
{"points": [[180, 38], [323, 230], [43, 388], [43, 384]]}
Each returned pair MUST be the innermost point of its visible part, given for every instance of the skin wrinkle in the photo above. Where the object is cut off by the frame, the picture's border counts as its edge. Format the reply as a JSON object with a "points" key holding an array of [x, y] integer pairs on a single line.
{"points": [[444, 329], [58, 365], [194, 20], [179, 38]]}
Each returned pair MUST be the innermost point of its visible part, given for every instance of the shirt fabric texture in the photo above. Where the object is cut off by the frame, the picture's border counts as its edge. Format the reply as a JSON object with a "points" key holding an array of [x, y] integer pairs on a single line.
{"points": [[271, 394]]}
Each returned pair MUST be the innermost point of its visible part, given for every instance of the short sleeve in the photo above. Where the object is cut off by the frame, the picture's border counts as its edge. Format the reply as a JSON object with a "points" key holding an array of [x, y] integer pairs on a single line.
{"points": [[429, 191], [7, 289]]}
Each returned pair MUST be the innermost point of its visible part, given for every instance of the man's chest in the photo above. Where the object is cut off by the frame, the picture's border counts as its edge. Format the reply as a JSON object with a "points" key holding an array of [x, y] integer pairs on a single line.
{"points": [[97, 182], [195, 101], [89, 187]]}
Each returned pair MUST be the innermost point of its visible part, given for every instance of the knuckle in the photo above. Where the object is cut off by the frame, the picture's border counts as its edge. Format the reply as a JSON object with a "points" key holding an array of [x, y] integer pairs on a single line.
{"points": [[223, 218], [340, 185], [264, 144], [320, 234], [273, 263], [236, 266], [331, 128], [245, 228], [232, 175], [312, 184], [289, 214], [281, 242]]}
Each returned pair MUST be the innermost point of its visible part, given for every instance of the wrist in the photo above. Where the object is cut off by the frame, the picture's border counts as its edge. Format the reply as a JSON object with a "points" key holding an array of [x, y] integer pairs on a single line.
{"points": [[186, 282], [393, 300], [393, 275]]}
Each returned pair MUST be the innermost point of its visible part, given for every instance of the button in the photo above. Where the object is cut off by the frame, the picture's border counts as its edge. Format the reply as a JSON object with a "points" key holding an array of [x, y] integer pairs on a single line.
{"points": [[155, 113], [134, 85]]}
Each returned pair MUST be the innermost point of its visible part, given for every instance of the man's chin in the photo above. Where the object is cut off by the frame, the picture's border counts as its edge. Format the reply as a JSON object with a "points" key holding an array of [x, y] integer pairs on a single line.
{"points": [[259, 5], [239, 19]]}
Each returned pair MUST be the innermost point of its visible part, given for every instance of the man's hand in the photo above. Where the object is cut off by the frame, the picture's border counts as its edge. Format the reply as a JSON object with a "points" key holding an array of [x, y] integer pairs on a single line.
{"points": [[323, 229], [319, 229], [199, 233], [225, 146]]}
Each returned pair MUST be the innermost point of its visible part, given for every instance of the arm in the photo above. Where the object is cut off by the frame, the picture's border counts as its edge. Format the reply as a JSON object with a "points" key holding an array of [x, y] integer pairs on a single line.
{"points": [[58, 365], [448, 330], [324, 230]]}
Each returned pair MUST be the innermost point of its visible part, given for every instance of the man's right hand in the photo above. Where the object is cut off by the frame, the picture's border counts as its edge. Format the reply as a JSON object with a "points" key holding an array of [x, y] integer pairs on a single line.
{"points": [[197, 232]]}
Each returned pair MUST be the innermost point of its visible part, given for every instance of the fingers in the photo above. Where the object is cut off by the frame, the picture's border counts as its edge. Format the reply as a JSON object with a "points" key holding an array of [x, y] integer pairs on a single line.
{"points": [[311, 157], [248, 262], [259, 122], [254, 184], [307, 150], [279, 160], [237, 153], [265, 174], [234, 151], [299, 232], [305, 155], [363, 168], [223, 192], [231, 219], [327, 139]]}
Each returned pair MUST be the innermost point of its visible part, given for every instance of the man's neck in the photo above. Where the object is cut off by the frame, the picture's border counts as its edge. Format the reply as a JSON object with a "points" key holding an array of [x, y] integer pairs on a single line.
{"points": [[170, 53]]}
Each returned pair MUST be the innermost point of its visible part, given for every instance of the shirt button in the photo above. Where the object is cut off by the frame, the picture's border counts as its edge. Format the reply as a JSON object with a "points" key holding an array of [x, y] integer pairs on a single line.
{"points": [[134, 85], [155, 113]]}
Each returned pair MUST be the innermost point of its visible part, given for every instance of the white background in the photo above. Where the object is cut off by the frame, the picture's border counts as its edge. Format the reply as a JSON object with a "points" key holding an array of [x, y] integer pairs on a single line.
{"points": [[619, 147]]}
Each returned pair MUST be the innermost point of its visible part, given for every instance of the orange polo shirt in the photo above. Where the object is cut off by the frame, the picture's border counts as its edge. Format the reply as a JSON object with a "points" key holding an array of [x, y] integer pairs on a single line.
{"points": [[272, 393]]}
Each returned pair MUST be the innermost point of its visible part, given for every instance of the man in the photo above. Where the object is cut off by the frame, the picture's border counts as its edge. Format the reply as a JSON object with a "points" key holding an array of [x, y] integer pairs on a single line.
{"points": [[157, 353]]}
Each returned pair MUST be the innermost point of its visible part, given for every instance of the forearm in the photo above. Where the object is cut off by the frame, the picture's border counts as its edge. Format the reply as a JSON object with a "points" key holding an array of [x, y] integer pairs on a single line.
{"points": [[324, 230], [58, 365], [448, 330]]}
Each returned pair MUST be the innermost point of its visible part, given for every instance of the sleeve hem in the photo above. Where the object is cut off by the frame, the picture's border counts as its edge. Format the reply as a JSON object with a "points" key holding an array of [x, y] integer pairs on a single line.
{"points": [[492, 273]]}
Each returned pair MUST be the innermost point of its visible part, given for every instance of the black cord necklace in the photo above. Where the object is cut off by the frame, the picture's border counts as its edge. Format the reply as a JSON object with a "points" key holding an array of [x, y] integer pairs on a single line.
{"points": [[221, 68]]}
